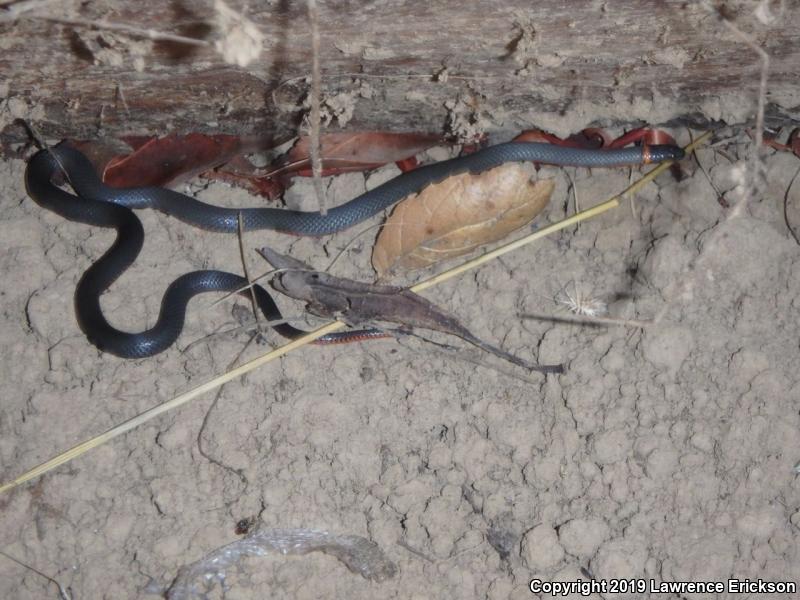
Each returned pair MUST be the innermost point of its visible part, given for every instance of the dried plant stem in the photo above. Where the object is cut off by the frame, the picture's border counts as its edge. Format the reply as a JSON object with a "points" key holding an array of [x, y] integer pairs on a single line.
{"points": [[245, 270], [762, 86], [216, 382], [756, 164], [685, 281], [150, 34], [63, 593], [587, 320], [314, 125]]}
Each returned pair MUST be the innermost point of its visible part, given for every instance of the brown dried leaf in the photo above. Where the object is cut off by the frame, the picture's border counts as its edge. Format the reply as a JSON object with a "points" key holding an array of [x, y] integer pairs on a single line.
{"points": [[456, 216]]}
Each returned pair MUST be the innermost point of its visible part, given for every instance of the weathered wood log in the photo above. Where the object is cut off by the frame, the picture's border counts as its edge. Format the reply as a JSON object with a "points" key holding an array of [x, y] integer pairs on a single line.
{"points": [[439, 65]]}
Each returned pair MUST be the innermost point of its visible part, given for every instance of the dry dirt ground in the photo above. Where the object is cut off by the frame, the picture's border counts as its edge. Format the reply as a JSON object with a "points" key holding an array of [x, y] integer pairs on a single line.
{"points": [[667, 453]]}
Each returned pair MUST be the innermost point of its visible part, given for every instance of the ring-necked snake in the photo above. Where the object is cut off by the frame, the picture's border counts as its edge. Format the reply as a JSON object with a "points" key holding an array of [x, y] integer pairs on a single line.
{"points": [[103, 206]]}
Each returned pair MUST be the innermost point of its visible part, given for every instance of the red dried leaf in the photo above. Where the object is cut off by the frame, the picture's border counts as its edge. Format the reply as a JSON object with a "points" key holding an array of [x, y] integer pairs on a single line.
{"points": [[172, 158], [342, 152]]}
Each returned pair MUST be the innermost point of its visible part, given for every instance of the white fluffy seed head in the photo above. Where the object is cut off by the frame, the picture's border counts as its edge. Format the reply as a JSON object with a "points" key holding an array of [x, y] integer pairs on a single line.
{"points": [[578, 302]]}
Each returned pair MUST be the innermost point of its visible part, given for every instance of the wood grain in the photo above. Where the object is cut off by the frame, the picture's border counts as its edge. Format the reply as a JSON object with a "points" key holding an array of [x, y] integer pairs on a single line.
{"points": [[509, 65]]}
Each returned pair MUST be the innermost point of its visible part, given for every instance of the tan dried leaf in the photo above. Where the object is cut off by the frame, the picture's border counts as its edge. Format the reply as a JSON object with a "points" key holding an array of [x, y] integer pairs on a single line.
{"points": [[457, 215]]}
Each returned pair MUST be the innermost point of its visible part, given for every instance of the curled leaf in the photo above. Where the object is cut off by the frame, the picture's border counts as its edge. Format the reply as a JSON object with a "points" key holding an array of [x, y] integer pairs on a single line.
{"points": [[457, 215]]}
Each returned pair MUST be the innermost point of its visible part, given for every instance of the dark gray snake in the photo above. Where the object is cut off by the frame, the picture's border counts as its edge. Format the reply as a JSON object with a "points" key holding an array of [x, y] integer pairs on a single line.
{"points": [[103, 206]]}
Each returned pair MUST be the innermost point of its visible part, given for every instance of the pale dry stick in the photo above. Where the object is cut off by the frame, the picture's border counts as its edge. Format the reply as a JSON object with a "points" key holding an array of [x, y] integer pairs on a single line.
{"points": [[588, 320], [245, 270], [314, 130], [404, 544], [758, 141], [632, 204], [238, 472], [150, 34], [762, 85], [685, 282], [121, 97], [581, 318], [242, 327], [574, 194], [212, 384]]}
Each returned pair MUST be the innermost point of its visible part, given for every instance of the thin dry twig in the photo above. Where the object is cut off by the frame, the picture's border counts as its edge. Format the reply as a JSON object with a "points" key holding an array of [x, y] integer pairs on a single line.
{"points": [[121, 98], [247, 327], [588, 320], [150, 34], [720, 195], [762, 84], [404, 544], [574, 188], [203, 452], [631, 203], [246, 271], [314, 125], [63, 593], [758, 137], [685, 282]]}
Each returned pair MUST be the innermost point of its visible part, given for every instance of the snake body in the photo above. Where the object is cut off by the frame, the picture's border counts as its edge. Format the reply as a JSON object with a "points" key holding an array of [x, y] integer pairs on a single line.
{"points": [[100, 205]]}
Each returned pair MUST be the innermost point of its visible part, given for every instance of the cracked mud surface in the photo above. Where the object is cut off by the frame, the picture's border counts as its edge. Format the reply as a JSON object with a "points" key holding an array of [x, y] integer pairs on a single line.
{"points": [[667, 452]]}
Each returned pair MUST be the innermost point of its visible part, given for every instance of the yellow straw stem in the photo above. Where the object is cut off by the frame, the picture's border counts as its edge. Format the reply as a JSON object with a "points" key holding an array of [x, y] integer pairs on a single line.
{"points": [[84, 447]]}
